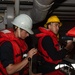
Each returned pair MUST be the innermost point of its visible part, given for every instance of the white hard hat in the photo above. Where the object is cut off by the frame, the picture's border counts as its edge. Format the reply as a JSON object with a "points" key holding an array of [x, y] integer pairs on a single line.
{"points": [[23, 21]]}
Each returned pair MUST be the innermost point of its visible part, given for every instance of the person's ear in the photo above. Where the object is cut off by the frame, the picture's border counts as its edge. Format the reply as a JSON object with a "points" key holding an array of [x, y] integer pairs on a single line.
{"points": [[49, 26]]}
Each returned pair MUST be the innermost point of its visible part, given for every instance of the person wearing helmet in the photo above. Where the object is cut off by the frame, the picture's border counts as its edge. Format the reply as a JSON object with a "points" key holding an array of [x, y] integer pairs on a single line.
{"points": [[14, 53], [48, 47]]}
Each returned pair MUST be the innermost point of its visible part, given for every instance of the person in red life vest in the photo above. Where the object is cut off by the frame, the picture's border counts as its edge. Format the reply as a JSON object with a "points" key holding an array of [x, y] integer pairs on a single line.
{"points": [[48, 47], [13, 47]]}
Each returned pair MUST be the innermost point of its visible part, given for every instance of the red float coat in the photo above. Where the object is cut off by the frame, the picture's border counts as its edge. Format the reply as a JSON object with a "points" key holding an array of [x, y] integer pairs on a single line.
{"points": [[19, 47]]}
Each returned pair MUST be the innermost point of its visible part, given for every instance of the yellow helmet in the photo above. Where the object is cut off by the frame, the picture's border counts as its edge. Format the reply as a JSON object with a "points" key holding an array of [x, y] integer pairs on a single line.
{"points": [[52, 19]]}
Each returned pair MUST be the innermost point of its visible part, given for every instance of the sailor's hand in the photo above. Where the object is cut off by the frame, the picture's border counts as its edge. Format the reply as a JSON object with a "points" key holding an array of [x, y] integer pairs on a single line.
{"points": [[69, 45], [32, 52]]}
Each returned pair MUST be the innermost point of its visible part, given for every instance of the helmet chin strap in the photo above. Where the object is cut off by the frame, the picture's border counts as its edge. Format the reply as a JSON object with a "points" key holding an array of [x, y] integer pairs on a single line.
{"points": [[19, 34]]}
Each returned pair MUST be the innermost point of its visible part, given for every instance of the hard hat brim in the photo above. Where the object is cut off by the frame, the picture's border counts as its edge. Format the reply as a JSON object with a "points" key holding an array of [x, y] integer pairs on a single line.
{"points": [[29, 31]]}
